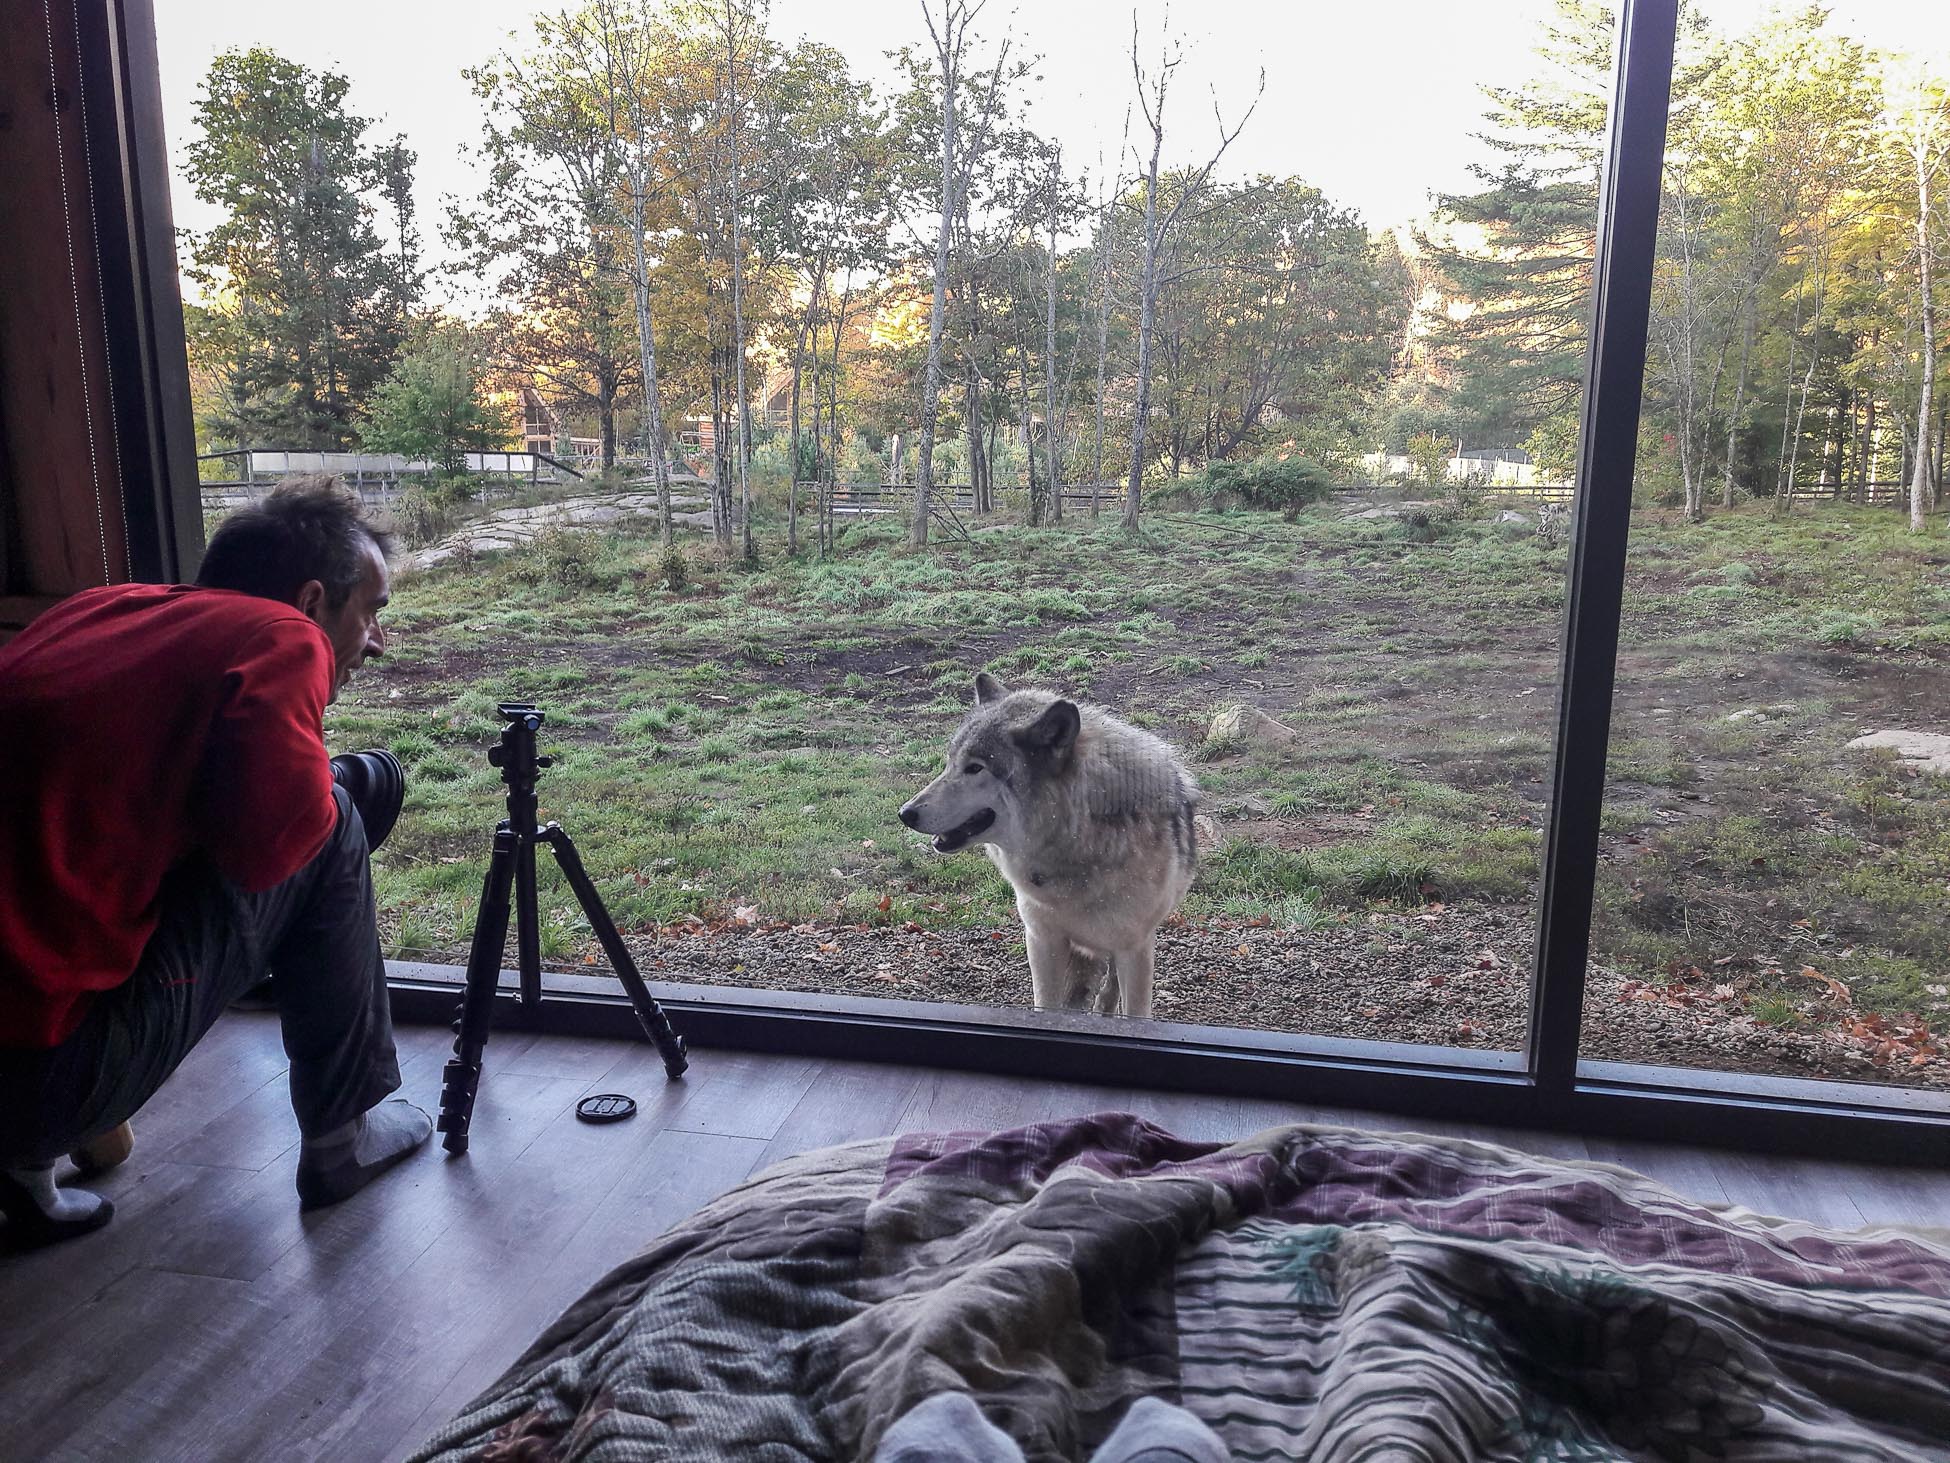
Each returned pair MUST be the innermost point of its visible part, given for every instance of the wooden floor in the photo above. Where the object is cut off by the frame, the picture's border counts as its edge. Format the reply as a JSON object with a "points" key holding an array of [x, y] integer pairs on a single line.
{"points": [[212, 1321]]}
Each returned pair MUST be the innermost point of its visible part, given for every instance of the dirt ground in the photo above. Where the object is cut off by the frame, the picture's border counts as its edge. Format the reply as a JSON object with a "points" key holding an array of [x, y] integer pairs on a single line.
{"points": [[1441, 975]]}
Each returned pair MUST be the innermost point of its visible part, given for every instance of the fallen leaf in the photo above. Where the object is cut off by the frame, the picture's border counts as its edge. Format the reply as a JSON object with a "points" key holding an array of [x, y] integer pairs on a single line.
{"points": [[1837, 992], [886, 903]]}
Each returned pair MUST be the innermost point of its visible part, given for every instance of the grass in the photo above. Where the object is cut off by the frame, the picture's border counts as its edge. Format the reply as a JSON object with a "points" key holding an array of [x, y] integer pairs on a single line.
{"points": [[740, 736]]}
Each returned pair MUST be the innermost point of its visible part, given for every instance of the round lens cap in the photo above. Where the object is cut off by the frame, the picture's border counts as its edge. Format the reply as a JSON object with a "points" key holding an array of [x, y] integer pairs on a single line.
{"points": [[606, 1107]]}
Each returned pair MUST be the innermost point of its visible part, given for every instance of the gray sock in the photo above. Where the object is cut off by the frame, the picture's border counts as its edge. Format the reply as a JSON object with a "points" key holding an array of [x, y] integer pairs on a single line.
{"points": [[1157, 1432], [948, 1428], [336, 1165]]}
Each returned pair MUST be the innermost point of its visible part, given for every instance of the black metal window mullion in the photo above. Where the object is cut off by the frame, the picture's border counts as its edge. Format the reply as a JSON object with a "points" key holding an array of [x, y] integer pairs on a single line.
{"points": [[1628, 226]]}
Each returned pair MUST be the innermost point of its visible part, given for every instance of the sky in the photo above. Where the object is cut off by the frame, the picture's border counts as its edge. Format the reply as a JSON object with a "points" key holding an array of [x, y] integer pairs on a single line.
{"points": [[1373, 103]]}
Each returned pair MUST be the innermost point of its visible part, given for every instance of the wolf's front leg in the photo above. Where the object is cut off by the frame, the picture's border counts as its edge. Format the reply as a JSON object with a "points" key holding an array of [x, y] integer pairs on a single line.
{"points": [[1049, 967], [1134, 971]]}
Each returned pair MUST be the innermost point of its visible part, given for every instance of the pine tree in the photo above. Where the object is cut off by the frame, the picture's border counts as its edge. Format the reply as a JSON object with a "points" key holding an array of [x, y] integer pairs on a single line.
{"points": [[315, 303]]}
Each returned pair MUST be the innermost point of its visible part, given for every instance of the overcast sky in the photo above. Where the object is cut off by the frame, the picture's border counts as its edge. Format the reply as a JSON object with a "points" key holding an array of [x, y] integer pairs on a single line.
{"points": [[1371, 101]]}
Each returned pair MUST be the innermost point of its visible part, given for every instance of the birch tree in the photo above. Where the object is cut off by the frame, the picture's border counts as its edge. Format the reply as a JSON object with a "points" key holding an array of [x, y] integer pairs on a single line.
{"points": [[1152, 93], [623, 69], [1922, 132]]}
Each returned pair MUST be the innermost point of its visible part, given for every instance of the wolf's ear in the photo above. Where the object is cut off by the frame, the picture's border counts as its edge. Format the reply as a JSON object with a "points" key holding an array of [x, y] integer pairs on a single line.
{"points": [[988, 688], [1054, 731]]}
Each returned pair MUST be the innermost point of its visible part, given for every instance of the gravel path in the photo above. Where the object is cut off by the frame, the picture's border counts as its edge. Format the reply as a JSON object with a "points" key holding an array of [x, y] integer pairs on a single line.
{"points": [[1455, 975]]}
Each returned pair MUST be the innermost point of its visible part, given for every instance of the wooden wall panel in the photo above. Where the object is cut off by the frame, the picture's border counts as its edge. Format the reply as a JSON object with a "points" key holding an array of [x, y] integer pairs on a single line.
{"points": [[65, 527]]}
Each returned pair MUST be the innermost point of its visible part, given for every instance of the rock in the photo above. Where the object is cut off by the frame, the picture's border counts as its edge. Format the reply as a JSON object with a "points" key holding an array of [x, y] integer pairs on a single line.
{"points": [[1920, 751], [1244, 723], [1512, 524]]}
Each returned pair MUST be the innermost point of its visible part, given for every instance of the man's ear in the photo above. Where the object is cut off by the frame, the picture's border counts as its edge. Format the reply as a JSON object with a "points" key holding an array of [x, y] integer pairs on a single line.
{"points": [[310, 600], [1055, 731], [988, 688]]}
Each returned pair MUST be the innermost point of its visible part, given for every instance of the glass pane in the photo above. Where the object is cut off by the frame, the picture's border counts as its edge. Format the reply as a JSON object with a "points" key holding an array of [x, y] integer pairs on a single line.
{"points": [[1339, 609], [1772, 893]]}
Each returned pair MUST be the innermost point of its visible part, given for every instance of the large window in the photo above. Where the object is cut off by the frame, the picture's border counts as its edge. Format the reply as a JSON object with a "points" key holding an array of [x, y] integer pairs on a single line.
{"points": [[1388, 475]]}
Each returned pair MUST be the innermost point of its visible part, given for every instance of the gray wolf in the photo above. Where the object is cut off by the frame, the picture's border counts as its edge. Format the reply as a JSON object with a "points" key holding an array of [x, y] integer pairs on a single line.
{"points": [[1091, 822]]}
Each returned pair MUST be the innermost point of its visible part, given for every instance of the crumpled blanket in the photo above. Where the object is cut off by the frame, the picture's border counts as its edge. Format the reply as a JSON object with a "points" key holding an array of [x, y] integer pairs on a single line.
{"points": [[1311, 1292]]}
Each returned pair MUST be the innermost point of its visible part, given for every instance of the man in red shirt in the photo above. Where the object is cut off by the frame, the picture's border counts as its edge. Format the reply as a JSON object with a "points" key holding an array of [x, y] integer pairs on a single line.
{"points": [[170, 829]]}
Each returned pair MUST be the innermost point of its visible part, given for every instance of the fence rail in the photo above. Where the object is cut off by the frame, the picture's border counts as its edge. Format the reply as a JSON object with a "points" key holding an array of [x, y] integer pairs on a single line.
{"points": [[1876, 494]]}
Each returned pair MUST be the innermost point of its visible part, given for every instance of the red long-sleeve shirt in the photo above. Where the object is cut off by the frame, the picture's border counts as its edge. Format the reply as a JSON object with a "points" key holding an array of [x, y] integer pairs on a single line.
{"points": [[142, 724]]}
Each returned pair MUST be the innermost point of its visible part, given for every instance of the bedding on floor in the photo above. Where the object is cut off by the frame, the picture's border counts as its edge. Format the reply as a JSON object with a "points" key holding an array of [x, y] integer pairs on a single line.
{"points": [[1310, 1292]]}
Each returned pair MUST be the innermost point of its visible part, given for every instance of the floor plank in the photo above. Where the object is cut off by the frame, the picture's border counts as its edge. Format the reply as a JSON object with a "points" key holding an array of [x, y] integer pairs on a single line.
{"points": [[666, 1179], [212, 1321]]}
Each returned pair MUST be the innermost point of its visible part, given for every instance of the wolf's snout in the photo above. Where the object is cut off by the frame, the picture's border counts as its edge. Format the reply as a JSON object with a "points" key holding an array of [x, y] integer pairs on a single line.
{"points": [[911, 816]]}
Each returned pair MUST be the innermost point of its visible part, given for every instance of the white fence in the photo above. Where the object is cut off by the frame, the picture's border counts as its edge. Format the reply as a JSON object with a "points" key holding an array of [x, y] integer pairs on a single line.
{"points": [[381, 464], [1496, 471]]}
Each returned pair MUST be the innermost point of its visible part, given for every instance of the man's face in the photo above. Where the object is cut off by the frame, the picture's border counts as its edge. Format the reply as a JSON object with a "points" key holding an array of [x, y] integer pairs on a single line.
{"points": [[354, 625]]}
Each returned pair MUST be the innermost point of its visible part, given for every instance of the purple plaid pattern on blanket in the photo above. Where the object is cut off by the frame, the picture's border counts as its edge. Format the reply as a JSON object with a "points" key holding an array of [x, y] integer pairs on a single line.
{"points": [[1311, 1292]]}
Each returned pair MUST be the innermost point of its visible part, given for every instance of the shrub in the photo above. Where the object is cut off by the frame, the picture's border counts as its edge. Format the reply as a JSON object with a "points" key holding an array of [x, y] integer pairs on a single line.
{"points": [[1284, 483], [674, 569], [565, 557]]}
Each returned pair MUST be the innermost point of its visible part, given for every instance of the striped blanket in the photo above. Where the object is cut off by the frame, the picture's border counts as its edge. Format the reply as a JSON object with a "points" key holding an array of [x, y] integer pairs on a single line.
{"points": [[1311, 1292]]}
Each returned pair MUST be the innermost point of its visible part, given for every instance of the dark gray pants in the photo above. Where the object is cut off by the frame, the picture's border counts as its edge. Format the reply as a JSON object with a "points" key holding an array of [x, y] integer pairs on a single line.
{"points": [[316, 933]]}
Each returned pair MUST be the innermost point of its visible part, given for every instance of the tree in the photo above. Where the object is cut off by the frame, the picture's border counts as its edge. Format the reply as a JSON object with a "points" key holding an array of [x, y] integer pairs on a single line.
{"points": [[618, 48], [315, 306], [737, 22], [1922, 132], [433, 405], [951, 39], [1158, 226], [545, 233], [1283, 319]]}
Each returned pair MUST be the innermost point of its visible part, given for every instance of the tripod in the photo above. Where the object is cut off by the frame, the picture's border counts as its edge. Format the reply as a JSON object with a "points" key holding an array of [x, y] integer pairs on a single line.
{"points": [[513, 864]]}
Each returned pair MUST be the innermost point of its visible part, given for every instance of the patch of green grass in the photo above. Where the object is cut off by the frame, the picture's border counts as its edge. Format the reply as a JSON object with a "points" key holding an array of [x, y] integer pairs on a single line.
{"points": [[694, 732]]}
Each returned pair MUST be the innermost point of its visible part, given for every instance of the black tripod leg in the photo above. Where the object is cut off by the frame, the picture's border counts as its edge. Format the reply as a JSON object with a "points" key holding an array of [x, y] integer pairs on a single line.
{"points": [[462, 1076], [656, 1025], [528, 928]]}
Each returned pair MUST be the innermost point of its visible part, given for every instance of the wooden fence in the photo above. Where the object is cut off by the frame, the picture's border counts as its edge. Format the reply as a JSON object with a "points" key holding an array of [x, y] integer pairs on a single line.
{"points": [[1878, 494]]}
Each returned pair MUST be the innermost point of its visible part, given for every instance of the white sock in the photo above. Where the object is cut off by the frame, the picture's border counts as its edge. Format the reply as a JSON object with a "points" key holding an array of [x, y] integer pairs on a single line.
{"points": [[947, 1428], [63, 1206]]}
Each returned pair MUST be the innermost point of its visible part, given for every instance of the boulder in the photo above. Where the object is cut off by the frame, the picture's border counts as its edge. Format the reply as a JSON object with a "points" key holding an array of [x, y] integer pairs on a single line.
{"points": [[1206, 832], [1921, 751], [1249, 724]]}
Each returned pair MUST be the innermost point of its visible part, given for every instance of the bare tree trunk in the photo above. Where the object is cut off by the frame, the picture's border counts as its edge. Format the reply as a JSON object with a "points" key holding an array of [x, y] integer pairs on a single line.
{"points": [[1739, 399], [606, 422], [972, 428], [647, 341], [1156, 229], [1103, 350], [792, 471], [738, 276], [1147, 316], [1052, 434], [1919, 483], [949, 40], [1865, 448], [1038, 507]]}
